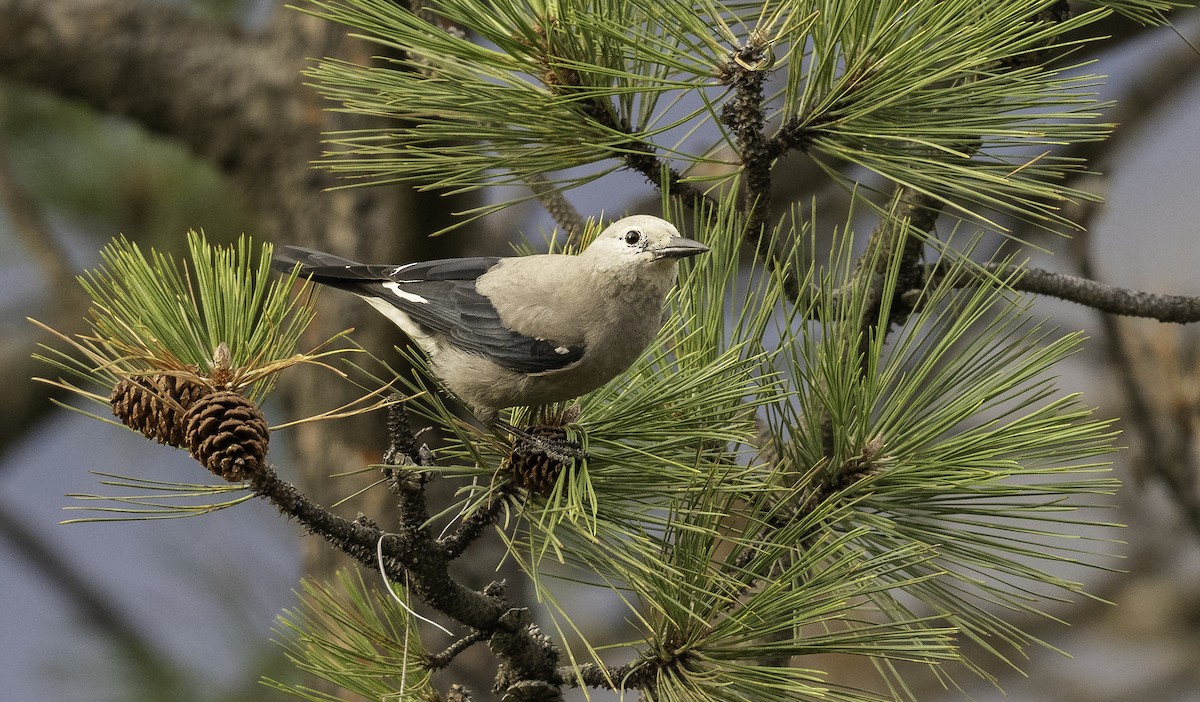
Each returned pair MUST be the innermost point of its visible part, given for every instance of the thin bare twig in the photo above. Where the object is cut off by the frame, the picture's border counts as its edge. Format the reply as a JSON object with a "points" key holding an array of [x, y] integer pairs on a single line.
{"points": [[473, 526]]}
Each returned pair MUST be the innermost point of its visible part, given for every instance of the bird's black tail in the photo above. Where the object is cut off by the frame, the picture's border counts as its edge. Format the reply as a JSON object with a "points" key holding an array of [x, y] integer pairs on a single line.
{"points": [[309, 260], [324, 268]]}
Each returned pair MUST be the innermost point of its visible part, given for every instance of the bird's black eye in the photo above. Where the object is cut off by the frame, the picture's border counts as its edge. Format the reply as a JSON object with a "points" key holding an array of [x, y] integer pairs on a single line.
{"points": [[632, 237]]}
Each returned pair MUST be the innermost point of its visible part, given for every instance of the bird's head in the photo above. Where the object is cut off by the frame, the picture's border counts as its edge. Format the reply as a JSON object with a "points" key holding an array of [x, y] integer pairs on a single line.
{"points": [[641, 239]]}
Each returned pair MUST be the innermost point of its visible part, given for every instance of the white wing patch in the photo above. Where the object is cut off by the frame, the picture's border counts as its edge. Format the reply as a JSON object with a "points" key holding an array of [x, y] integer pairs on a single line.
{"points": [[404, 294], [396, 271]]}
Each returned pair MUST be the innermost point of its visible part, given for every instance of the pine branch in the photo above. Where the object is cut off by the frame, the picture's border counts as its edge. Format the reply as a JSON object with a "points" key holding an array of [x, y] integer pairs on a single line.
{"points": [[744, 115], [410, 485], [638, 156], [913, 216], [402, 442], [560, 208], [950, 163], [860, 466], [916, 214], [636, 675], [643, 160], [412, 557], [437, 661], [475, 523], [746, 72], [1111, 299]]}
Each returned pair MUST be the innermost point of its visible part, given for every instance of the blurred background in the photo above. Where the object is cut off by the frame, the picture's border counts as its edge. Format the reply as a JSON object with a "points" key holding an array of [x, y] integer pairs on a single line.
{"points": [[153, 118]]}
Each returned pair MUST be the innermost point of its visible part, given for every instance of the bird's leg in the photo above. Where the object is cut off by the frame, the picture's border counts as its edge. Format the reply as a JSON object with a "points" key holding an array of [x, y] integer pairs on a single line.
{"points": [[563, 450]]}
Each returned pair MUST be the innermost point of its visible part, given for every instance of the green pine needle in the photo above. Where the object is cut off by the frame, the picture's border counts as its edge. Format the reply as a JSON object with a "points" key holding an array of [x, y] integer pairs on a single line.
{"points": [[150, 499], [947, 98], [953, 439], [151, 314], [357, 638]]}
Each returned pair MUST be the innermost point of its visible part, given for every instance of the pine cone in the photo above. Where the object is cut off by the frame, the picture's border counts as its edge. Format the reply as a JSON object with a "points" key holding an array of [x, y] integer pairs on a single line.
{"points": [[155, 406], [177, 395], [228, 434], [533, 469], [135, 403]]}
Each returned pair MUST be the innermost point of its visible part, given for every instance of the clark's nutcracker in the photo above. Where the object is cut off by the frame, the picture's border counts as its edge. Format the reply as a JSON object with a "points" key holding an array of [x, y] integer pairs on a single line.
{"points": [[525, 330]]}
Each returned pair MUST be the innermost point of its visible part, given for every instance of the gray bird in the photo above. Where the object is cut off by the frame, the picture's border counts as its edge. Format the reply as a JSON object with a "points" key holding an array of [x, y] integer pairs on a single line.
{"points": [[524, 330]]}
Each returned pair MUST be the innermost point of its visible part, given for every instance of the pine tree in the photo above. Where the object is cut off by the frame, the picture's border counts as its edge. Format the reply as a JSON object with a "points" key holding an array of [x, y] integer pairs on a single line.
{"points": [[848, 440]]}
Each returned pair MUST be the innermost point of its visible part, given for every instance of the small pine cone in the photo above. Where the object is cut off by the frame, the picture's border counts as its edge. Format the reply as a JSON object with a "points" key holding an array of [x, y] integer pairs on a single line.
{"points": [[532, 467], [227, 434], [220, 372], [135, 402]]}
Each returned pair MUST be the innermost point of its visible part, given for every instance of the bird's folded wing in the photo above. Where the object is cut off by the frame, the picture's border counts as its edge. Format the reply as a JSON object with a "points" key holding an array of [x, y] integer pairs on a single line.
{"points": [[440, 298]]}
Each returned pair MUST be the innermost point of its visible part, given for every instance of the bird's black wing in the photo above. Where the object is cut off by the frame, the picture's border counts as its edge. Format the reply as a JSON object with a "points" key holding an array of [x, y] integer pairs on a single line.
{"points": [[441, 299]]}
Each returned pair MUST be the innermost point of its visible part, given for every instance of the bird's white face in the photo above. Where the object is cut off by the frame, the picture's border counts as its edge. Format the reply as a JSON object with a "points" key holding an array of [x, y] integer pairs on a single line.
{"points": [[639, 239]]}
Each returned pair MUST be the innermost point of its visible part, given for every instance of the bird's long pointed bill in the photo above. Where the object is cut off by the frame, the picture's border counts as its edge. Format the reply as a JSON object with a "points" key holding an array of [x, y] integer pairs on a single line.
{"points": [[681, 247]]}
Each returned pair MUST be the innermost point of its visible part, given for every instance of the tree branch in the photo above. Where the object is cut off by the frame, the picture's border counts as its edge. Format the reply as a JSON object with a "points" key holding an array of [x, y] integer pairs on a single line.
{"points": [[412, 557], [437, 661], [641, 158], [636, 675], [746, 72], [636, 155], [403, 451], [473, 525], [560, 208], [426, 573], [230, 98], [1175, 309], [913, 212]]}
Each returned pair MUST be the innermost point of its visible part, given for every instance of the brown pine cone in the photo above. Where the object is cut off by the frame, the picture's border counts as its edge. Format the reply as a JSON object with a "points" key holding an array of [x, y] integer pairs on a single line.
{"points": [[155, 406], [533, 468], [177, 395], [228, 434], [135, 403]]}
